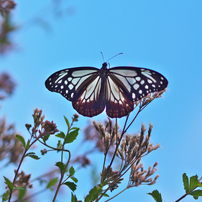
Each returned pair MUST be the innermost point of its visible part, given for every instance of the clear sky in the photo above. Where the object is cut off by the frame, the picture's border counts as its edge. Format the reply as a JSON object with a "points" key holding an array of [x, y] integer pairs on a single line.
{"points": [[165, 36]]}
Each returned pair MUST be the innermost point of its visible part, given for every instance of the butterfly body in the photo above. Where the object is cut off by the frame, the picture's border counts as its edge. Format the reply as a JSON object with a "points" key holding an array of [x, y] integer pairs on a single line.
{"points": [[91, 89]]}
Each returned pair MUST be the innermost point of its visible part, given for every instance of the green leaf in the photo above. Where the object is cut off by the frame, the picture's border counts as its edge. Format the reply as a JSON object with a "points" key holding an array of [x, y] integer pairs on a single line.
{"points": [[71, 171], [185, 182], [71, 185], [196, 193], [67, 122], [52, 183], [73, 198], [32, 155], [193, 182], [45, 138], [60, 135], [21, 193], [21, 139], [95, 192], [74, 179], [59, 145], [74, 128], [156, 196], [5, 196], [27, 145], [61, 166], [9, 183], [71, 136], [192, 185]]}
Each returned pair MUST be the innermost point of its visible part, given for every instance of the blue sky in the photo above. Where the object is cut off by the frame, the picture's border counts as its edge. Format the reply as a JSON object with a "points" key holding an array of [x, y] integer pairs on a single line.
{"points": [[161, 35]]}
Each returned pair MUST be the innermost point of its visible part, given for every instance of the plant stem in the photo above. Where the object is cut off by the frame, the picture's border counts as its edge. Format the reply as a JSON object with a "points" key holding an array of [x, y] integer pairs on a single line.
{"points": [[116, 194]]}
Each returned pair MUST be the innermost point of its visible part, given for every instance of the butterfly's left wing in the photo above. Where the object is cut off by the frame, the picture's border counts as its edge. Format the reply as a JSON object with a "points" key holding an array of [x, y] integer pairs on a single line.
{"points": [[136, 82], [82, 86]]}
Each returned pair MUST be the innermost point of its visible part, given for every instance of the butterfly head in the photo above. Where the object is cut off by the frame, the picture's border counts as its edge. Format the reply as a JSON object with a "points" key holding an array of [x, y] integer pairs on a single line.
{"points": [[104, 65]]}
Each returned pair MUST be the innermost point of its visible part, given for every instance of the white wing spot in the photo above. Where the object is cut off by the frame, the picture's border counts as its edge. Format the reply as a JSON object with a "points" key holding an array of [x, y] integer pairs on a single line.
{"points": [[75, 80], [60, 81], [137, 78], [69, 78], [146, 87], [149, 81], [65, 82], [70, 86], [142, 82], [162, 78], [153, 86], [50, 79], [72, 95], [50, 83], [61, 75], [61, 87], [136, 86], [133, 95], [161, 82], [66, 91], [140, 91]]}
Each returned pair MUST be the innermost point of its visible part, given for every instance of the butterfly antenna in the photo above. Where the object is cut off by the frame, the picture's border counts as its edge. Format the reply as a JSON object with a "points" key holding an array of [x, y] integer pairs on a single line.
{"points": [[102, 56], [114, 56]]}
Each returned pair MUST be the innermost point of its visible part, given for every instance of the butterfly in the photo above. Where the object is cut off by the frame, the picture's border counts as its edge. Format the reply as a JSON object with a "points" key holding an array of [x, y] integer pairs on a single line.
{"points": [[91, 89]]}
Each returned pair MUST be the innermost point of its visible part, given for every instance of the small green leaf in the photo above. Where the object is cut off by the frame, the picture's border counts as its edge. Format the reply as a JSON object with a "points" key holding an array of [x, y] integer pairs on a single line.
{"points": [[185, 182], [61, 166], [32, 155], [196, 193], [156, 196], [59, 145], [9, 183], [71, 136], [45, 138], [60, 135], [27, 145], [21, 139], [193, 182], [73, 198], [21, 194], [71, 171], [74, 128], [5, 196], [67, 122], [74, 179], [71, 185], [52, 183], [95, 192]]}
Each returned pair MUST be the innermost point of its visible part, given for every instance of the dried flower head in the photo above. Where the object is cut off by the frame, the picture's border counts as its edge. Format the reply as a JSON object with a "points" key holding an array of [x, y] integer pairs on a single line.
{"points": [[38, 118], [75, 117], [7, 85], [10, 146], [23, 180], [49, 127], [139, 176]]}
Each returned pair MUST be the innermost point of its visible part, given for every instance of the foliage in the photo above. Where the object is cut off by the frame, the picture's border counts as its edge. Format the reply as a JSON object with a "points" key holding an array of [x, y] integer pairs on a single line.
{"points": [[115, 143]]}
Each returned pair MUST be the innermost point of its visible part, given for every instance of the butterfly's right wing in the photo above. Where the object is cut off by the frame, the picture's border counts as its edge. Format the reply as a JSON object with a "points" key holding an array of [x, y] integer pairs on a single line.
{"points": [[82, 86]]}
